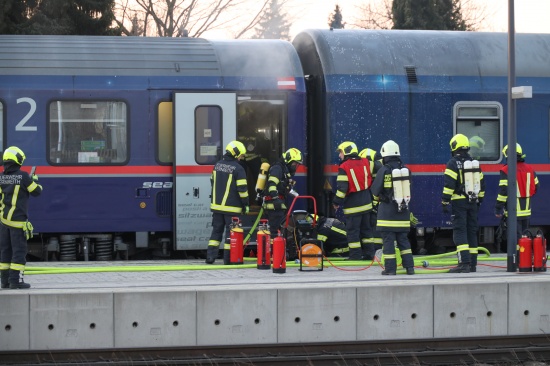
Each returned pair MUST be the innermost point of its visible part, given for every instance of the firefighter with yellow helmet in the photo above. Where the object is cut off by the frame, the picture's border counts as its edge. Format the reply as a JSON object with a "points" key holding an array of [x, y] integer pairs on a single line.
{"points": [[374, 241], [279, 185], [392, 187], [15, 187], [527, 186], [229, 198], [332, 233], [352, 193], [463, 192]]}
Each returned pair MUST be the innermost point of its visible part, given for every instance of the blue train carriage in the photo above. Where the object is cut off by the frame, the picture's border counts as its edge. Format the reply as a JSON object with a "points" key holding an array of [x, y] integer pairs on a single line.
{"points": [[96, 116], [419, 88]]}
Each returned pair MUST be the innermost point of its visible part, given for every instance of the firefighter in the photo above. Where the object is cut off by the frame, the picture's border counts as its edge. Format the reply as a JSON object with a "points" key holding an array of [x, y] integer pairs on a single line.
{"points": [[332, 233], [279, 185], [15, 187], [353, 182], [373, 242], [464, 206], [477, 147], [393, 213], [527, 186], [229, 198]]}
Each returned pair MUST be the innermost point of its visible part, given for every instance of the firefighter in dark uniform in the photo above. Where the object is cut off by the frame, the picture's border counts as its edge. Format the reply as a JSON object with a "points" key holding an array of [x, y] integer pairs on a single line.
{"points": [[353, 182], [229, 198], [15, 188], [464, 208], [393, 220], [332, 233], [279, 184], [527, 187], [373, 243]]}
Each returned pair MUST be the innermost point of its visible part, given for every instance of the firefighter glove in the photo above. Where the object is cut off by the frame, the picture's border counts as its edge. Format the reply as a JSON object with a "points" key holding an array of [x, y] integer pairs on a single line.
{"points": [[246, 209], [27, 228], [499, 211], [35, 177], [414, 220], [445, 205]]}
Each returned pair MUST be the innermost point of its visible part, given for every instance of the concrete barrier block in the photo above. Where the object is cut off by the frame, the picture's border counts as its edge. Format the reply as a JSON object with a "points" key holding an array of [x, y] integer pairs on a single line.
{"points": [[470, 310], [14, 322], [395, 312], [71, 321], [317, 315], [528, 307], [226, 317], [155, 319]]}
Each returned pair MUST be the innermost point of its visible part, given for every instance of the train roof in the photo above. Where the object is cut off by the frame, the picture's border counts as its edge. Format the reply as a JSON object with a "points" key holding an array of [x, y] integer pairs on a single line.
{"points": [[439, 53], [146, 56]]}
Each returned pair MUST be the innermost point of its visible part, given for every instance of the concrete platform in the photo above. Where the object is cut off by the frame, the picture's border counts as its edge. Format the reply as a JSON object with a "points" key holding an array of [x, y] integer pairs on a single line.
{"points": [[232, 306]]}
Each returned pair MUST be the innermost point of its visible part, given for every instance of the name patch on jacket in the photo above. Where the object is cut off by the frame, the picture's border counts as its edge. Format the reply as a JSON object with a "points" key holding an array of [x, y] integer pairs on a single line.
{"points": [[225, 168], [10, 179]]}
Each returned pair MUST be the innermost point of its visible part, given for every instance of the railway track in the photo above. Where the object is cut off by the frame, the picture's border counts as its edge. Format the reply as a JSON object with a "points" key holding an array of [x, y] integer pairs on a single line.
{"points": [[470, 351]]}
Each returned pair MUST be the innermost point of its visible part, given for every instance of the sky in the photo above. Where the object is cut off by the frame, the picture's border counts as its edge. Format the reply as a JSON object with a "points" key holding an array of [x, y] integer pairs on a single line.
{"points": [[531, 16]]}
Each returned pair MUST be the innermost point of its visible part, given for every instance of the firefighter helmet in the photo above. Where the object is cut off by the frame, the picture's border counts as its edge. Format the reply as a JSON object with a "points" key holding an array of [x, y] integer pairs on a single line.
{"points": [[235, 148], [291, 155], [368, 154], [347, 148], [459, 141], [519, 150], [390, 148], [15, 154], [477, 142]]}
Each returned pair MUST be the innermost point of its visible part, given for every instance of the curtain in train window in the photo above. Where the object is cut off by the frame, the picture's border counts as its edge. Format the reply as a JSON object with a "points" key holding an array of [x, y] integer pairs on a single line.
{"points": [[208, 134], [88, 132], [482, 124], [165, 133]]}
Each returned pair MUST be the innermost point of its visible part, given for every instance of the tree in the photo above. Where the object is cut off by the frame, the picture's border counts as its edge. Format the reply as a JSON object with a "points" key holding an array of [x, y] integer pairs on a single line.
{"points": [[273, 23], [80, 17], [335, 19], [452, 14], [12, 13], [427, 14], [180, 18]]}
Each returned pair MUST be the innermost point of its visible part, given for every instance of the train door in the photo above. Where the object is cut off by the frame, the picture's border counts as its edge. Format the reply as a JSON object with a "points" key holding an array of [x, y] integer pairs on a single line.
{"points": [[204, 124]]}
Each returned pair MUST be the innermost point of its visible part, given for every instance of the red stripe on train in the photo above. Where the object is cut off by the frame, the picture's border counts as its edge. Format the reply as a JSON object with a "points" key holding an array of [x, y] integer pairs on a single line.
{"points": [[440, 168]]}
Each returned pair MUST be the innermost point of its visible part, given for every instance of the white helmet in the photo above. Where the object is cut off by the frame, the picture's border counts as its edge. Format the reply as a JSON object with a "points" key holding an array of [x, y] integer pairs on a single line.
{"points": [[390, 148]]}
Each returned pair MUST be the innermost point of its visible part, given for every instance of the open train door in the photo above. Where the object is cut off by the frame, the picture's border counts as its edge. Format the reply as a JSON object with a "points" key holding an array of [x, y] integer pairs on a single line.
{"points": [[204, 124]]}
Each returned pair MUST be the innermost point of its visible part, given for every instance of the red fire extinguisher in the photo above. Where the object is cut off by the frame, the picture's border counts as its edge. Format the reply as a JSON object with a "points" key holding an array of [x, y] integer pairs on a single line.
{"points": [[263, 246], [236, 249], [539, 252], [279, 254], [525, 252]]}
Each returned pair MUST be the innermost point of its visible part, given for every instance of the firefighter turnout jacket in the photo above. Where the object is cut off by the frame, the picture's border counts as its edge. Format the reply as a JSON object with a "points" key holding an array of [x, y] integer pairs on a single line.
{"points": [[527, 186], [229, 187], [453, 186], [332, 232], [278, 186], [389, 217], [15, 187], [354, 179]]}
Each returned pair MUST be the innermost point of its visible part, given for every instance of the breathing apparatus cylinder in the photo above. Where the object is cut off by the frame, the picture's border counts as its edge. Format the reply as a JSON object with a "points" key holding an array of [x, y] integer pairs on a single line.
{"points": [[477, 177], [263, 246], [468, 178], [279, 254], [539, 252], [236, 248], [406, 182], [401, 188], [262, 178], [397, 186], [525, 252]]}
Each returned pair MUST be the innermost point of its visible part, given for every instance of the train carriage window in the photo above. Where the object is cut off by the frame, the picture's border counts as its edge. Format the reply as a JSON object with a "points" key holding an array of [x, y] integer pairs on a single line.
{"points": [[208, 134], [88, 132], [482, 123], [165, 133]]}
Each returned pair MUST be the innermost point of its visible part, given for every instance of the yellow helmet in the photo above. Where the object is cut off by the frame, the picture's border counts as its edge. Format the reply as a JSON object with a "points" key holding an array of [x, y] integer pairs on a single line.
{"points": [[312, 217], [390, 148], [459, 141], [477, 142], [519, 150], [348, 148], [15, 154], [368, 154], [235, 148], [291, 155]]}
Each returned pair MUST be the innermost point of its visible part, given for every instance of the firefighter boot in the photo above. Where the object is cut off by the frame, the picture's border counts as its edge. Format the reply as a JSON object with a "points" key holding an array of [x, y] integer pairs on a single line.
{"points": [[16, 282], [391, 267], [211, 254], [5, 273], [354, 254], [461, 268], [473, 262], [367, 251]]}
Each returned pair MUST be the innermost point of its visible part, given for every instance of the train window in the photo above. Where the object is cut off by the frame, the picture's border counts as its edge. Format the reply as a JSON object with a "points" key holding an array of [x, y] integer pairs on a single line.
{"points": [[88, 132], [165, 133], [208, 134], [482, 123]]}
